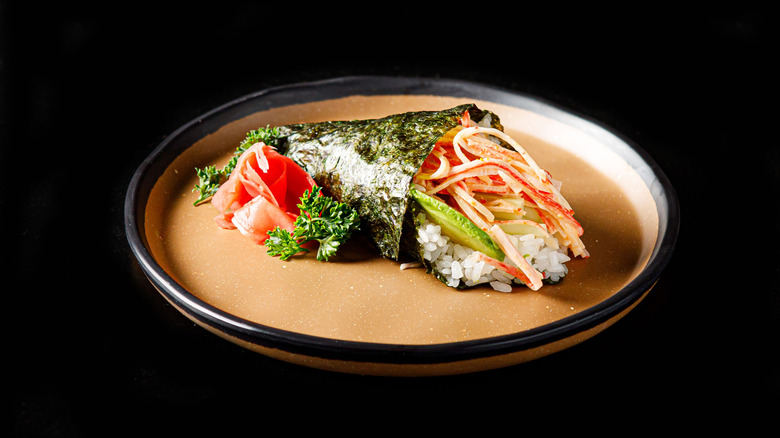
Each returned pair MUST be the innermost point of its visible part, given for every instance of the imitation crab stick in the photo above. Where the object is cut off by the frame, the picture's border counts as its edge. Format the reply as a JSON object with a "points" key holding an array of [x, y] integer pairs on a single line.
{"points": [[502, 191]]}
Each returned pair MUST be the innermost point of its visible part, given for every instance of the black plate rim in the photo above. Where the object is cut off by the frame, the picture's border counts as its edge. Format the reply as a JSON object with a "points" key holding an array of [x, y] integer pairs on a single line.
{"points": [[328, 348]]}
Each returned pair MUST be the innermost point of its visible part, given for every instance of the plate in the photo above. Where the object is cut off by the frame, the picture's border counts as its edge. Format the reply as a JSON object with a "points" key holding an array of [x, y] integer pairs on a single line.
{"points": [[360, 313]]}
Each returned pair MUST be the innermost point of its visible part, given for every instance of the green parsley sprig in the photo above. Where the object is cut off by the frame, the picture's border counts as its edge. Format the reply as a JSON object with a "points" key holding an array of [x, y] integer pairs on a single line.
{"points": [[322, 219], [210, 178]]}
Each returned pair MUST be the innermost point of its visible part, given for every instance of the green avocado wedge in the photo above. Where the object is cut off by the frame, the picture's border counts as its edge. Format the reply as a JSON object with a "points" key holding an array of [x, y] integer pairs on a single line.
{"points": [[456, 226]]}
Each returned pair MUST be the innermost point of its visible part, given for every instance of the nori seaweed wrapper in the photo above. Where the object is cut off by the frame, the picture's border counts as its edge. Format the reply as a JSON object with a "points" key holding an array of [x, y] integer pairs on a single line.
{"points": [[370, 164]]}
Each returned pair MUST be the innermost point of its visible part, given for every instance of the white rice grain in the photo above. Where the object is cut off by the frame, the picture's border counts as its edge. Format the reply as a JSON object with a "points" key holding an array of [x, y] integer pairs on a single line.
{"points": [[457, 271], [501, 287]]}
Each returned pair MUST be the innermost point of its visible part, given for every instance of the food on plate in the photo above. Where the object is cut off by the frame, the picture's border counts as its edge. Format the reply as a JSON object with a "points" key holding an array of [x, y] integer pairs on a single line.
{"points": [[446, 190]]}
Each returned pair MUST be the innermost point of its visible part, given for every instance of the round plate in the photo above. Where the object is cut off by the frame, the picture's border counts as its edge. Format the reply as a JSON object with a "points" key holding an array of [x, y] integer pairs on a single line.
{"points": [[360, 313]]}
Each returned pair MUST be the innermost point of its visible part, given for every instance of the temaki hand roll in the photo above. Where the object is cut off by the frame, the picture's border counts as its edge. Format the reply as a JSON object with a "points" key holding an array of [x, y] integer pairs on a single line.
{"points": [[448, 189]]}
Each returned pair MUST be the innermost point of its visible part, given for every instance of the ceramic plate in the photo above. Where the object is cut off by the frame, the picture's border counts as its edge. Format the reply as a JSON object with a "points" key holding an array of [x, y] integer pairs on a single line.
{"points": [[361, 313]]}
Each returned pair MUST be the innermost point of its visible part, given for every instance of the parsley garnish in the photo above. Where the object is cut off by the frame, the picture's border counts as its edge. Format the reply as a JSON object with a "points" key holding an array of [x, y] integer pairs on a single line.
{"points": [[322, 219]]}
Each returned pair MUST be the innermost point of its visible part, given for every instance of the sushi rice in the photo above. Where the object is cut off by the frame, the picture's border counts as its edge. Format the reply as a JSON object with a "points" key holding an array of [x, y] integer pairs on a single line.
{"points": [[460, 264]]}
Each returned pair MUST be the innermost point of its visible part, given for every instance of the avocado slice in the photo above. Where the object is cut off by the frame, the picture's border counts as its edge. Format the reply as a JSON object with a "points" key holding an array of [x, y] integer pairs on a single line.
{"points": [[456, 226]]}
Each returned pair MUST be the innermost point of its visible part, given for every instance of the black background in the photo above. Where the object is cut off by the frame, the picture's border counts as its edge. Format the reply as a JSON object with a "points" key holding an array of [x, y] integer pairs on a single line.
{"points": [[88, 91]]}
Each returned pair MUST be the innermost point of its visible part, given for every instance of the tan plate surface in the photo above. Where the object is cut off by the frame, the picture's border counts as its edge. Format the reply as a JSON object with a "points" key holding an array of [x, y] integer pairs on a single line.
{"points": [[360, 297]]}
